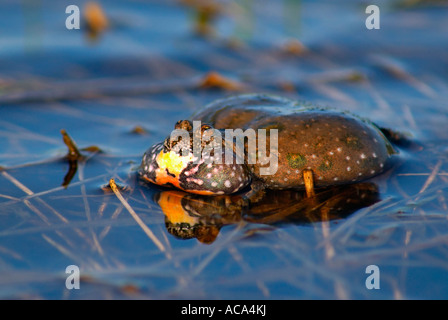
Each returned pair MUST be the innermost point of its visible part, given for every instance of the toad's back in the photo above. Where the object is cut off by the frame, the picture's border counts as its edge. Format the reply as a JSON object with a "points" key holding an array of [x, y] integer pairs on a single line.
{"points": [[338, 147]]}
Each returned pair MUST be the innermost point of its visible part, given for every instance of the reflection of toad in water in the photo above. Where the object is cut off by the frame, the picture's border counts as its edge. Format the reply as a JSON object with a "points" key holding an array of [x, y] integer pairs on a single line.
{"points": [[194, 216]]}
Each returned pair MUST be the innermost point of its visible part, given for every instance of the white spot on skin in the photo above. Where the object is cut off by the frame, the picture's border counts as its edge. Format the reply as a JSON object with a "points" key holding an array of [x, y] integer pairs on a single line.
{"points": [[349, 169], [232, 174], [209, 175], [306, 144], [320, 178], [286, 179], [197, 181], [372, 171], [339, 149], [151, 168], [209, 165], [297, 171], [240, 179], [374, 155], [336, 179], [362, 156], [347, 158], [195, 169], [313, 156], [214, 184], [227, 184], [360, 174], [381, 165], [330, 153]]}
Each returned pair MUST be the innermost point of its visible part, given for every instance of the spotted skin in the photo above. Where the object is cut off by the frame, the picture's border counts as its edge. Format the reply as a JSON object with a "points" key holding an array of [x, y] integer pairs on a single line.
{"points": [[168, 167], [338, 147]]}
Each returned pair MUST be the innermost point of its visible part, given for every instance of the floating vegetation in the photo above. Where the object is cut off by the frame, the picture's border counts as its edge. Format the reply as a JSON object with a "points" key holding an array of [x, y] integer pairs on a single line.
{"points": [[74, 156], [205, 14], [73, 152], [96, 20], [139, 130], [216, 80], [294, 47]]}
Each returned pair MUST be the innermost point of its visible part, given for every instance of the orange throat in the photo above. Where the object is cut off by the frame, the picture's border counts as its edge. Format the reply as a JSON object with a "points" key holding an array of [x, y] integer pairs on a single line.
{"points": [[170, 167]]}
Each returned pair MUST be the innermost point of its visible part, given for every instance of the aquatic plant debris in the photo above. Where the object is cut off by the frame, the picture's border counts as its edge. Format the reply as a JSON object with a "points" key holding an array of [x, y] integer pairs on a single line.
{"points": [[206, 12], [72, 156], [139, 130], [294, 47], [216, 80], [96, 20], [73, 151], [136, 217]]}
